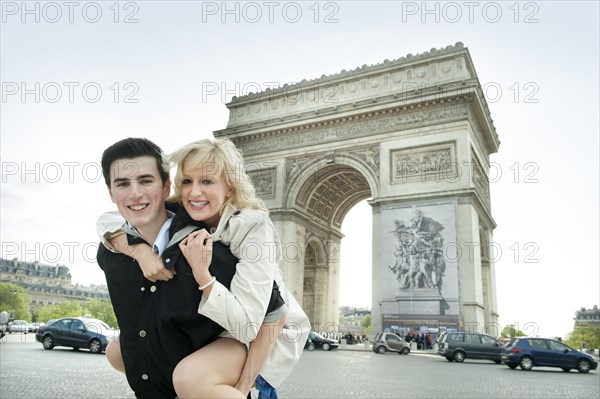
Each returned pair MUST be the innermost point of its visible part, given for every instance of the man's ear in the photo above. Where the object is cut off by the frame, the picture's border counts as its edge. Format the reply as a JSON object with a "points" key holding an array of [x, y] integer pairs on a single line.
{"points": [[167, 189]]}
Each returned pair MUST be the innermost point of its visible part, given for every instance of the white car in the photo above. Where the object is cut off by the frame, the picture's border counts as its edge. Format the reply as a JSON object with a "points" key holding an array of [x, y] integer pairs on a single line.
{"points": [[16, 326]]}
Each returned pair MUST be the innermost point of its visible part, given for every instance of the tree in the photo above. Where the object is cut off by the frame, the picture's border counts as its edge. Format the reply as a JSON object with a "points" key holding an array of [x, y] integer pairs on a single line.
{"points": [[584, 336], [510, 331], [102, 310], [14, 297], [62, 309], [365, 323]]}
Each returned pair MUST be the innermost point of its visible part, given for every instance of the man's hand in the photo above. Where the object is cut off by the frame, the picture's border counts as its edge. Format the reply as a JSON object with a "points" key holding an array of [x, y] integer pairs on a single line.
{"points": [[149, 261], [152, 264]]}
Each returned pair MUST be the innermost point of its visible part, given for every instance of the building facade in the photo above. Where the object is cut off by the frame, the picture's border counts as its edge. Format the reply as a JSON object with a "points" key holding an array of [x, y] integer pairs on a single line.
{"points": [[47, 285]]}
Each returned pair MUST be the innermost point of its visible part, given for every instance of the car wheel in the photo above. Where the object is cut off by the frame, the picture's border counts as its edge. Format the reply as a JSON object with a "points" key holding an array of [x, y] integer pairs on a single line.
{"points": [[381, 350], [512, 365], [459, 356], [566, 369], [405, 350], [48, 342], [311, 347], [526, 363], [95, 346], [325, 346], [583, 366], [448, 358]]}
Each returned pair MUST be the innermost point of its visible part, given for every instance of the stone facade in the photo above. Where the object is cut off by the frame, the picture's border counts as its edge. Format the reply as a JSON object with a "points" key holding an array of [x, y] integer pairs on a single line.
{"points": [[47, 285], [409, 134]]}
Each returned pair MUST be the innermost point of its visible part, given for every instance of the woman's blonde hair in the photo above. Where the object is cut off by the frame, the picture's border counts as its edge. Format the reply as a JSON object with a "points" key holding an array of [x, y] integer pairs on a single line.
{"points": [[218, 157]]}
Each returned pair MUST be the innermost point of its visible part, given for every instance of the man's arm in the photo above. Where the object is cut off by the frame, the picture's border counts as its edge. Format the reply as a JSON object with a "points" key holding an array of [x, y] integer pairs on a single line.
{"points": [[110, 228], [149, 261]]}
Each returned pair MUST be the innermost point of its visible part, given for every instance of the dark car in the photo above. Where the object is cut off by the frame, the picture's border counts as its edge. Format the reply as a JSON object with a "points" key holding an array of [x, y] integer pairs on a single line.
{"points": [[458, 346], [76, 332], [391, 342], [316, 340], [544, 352]]}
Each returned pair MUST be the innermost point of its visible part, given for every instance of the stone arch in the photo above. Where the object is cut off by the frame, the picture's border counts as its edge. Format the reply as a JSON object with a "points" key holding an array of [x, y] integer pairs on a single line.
{"points": [[414, 135]]}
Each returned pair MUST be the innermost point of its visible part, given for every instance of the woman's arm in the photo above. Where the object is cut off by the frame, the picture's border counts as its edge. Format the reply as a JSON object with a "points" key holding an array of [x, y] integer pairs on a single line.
{"points": [[252, 238]]}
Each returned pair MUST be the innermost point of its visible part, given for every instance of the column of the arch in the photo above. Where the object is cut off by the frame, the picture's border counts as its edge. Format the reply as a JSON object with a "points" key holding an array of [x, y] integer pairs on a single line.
{"points": [[469, 263], [376, 314], [333, 293], [489, 270], [293, 238]]}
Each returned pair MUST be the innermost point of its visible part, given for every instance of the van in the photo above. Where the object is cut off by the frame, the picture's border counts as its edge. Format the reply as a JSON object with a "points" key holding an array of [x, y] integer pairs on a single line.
{"points": [[458, 346]]}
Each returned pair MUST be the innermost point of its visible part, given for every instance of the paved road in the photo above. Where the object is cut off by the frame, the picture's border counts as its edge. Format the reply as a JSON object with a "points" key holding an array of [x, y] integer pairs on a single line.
{"points": [[28, 371]]}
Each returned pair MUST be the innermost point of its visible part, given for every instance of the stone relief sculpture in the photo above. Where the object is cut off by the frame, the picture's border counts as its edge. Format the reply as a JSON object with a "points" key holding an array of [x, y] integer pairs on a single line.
{"points": [[419, 261]]}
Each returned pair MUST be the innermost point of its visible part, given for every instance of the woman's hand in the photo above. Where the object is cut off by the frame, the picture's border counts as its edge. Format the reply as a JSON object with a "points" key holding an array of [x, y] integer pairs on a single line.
{"points": [[197, 250]]}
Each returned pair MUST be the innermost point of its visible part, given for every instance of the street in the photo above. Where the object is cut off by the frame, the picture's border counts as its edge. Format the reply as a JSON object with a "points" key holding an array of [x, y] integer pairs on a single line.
{"points": [[29, 371]]}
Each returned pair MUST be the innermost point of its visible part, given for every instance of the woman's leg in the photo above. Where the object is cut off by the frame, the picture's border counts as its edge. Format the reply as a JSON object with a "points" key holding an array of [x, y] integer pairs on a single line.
{"points": [[114, 356], [212, 371], [259, 351]]}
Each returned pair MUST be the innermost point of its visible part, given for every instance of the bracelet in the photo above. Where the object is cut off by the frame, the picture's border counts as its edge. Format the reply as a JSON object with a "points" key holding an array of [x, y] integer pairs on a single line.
{"points": [[211, 282]]}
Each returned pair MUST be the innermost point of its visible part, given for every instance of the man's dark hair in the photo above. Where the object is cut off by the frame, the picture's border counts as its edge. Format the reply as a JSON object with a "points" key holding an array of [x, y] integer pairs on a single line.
{"points": [[132, 148]]}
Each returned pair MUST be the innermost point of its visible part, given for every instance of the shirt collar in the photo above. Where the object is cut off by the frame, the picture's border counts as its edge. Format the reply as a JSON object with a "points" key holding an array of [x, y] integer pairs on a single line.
{"points": [[163, 235]]}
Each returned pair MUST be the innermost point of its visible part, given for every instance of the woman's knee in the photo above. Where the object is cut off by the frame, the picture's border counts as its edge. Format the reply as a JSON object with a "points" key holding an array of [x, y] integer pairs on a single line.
{"points": [[114, 356]]}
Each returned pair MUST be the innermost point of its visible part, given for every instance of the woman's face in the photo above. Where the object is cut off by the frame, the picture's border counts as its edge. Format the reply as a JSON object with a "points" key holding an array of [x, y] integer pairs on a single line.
{"points": [[203, 193]]}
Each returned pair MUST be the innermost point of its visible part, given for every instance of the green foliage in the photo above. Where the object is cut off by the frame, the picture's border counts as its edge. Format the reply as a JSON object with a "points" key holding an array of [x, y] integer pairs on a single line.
{"points": [[343, 320], [63, 309], [584, 335], [97, 309], [511, 332], [102, 310], [15, 297], [365, 323]]}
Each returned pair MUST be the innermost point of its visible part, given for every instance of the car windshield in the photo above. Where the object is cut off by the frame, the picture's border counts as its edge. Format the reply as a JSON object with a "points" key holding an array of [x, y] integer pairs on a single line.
{"points": [[96, 325]]}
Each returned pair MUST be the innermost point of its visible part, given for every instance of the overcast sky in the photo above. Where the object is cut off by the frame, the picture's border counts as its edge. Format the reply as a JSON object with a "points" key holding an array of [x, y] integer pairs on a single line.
{"points": [[77, 77]]}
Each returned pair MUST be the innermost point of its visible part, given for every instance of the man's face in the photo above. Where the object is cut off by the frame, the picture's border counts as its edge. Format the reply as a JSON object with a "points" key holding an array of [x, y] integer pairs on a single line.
{"points": [[138, 191]]}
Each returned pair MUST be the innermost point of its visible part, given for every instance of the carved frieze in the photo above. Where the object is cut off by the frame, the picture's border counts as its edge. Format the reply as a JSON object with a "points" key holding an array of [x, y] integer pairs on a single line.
{"points": [[423, 163], [353, 127], [264, 182], [479, 177], [369, 155]]}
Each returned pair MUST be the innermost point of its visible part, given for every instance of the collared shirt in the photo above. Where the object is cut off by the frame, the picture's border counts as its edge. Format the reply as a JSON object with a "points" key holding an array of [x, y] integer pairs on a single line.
{"points": [[162, 238]]}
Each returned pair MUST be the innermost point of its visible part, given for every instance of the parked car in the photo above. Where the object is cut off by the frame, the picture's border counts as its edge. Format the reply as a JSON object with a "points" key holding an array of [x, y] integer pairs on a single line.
{"points": [[458, 346], [316, 340], [33, 327], [16, 326], [544, 352], [76, 332], [391, 342]]}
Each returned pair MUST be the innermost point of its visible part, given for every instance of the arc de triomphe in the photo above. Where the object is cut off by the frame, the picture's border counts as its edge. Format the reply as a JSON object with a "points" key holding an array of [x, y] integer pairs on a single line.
{"points": [[413, 136]]}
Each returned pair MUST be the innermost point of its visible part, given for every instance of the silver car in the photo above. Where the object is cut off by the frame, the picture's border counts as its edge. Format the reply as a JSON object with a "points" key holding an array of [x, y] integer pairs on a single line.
{"points": [[391, 342]]}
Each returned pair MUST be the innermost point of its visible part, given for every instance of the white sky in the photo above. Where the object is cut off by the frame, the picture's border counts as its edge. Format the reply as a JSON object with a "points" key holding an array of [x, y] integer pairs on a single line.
{"points": [[539, 61]]}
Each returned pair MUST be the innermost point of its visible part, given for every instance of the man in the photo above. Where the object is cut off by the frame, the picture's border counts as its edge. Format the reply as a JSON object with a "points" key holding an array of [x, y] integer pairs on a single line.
{"points": [[159, 321]]}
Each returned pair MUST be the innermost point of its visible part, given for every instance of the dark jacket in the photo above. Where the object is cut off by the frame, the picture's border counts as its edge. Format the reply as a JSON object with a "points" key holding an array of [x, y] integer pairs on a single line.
{"points": [[159, 322]]}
